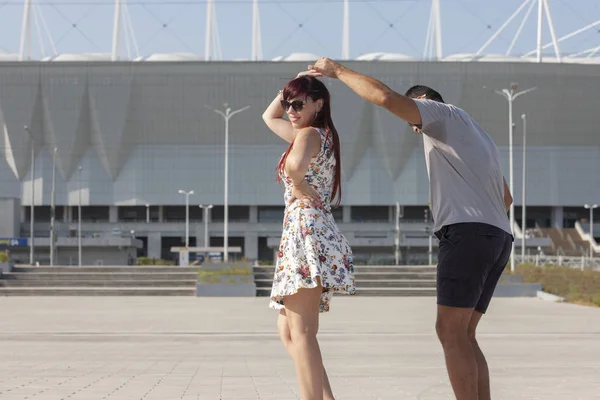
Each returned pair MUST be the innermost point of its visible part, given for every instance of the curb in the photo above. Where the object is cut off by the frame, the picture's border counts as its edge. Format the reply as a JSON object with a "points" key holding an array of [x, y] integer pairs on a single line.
{"points": [[550, 297]]}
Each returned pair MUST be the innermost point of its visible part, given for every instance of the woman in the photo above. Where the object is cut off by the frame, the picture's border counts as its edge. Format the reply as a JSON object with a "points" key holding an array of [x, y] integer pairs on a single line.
{"points": [[314, 258]]}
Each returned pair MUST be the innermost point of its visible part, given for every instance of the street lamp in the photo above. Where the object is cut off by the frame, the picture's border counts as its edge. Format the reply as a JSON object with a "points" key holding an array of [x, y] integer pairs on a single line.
{"points": [[205, 217], [53, 210], [79, 213], [523, 206], [187, 216], [226, 116], [511, 95], [591, 208], [31, 214]]}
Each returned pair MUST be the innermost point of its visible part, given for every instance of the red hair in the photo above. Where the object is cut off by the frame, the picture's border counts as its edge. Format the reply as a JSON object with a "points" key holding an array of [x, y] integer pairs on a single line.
{"points": [[311, 87]]}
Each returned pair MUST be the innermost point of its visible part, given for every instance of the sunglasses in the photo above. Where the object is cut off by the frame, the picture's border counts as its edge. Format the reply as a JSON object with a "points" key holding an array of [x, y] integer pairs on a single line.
{"points": [[297, 105]]}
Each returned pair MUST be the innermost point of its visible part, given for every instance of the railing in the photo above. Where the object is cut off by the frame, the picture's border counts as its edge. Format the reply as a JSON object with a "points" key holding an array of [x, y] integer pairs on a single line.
{"points": [[581, 262]]}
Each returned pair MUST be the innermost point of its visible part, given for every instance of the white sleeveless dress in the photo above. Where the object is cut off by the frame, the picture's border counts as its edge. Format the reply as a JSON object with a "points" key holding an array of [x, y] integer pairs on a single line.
{"points": [[311, 243]]}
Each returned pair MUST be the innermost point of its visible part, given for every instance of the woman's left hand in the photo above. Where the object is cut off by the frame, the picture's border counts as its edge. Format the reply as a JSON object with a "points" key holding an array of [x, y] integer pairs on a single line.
{"points": [[309, 73], [304, 192]]}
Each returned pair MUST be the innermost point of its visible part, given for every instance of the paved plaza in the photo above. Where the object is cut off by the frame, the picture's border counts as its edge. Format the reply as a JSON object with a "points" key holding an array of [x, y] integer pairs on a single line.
{"points": [[167, 348]]}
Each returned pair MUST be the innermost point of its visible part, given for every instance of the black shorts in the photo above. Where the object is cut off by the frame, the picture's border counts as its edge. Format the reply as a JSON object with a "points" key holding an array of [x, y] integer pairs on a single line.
{"points": [[471, 259]]}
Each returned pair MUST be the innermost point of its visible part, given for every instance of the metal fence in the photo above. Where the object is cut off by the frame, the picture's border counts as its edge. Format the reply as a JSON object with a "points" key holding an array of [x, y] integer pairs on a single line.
{"points": [[581, 262]]}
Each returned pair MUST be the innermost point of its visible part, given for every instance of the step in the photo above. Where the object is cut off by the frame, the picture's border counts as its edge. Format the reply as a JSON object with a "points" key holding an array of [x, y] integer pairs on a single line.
{"points": [[373, 275], [393, 292], [392, 283], [362, 269], [111, 269], [139, 283], [404, 292], [104, 276], [107, 291]]}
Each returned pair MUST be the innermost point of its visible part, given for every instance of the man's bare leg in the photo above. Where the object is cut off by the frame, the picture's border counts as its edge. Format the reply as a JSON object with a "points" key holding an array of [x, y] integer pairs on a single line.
{"points": [[452, 328]]}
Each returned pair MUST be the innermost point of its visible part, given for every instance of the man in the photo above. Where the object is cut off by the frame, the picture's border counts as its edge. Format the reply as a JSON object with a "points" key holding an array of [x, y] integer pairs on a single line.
{"points": [[470, 200]]}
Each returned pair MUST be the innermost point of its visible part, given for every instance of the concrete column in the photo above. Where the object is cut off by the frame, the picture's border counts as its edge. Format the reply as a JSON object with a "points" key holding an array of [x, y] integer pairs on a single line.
{"points": [[253, 214], [154, 244], [347, 214], [557, 217], [23, 215], [160, 214], [69, 214], [251, 246], [113, 214]]}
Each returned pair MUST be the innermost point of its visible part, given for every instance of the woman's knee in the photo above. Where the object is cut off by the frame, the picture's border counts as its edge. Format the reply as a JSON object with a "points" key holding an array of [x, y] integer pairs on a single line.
{"points": [[283, 330]]}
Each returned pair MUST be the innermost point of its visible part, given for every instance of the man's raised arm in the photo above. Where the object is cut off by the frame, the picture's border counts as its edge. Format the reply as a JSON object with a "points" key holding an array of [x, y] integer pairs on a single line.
{"points": [[371, 90]]}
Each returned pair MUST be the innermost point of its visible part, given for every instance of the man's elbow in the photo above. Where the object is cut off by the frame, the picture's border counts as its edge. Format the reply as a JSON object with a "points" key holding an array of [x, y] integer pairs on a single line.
{"points": [[385, 99]]}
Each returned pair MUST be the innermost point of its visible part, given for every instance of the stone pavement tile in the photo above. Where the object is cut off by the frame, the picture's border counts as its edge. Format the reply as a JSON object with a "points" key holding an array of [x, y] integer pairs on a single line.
{"points": [[113, 348]]}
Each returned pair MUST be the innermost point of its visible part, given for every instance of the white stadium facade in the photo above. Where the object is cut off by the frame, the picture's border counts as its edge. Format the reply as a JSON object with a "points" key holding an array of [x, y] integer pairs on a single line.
{"points": [[119, 139]]}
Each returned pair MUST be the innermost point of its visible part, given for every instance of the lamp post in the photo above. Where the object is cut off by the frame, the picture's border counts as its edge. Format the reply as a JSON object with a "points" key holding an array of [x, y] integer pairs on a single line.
{"points": [[31, 213], [205, 218], [79, 214], [511, 95], [399, 214], [591, 208], [523, 205], [53, 210], [226, 116], [187, 216]]}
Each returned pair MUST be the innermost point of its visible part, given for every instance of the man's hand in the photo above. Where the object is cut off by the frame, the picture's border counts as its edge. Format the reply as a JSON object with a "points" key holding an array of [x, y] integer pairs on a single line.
{"points": [[304, 192], [326, 67]]}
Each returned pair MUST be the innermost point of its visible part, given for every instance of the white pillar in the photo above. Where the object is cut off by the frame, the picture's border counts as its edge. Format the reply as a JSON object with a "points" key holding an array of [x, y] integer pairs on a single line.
{"points": [[116, 44], [113, 214], [346, 32], [557, 217]]}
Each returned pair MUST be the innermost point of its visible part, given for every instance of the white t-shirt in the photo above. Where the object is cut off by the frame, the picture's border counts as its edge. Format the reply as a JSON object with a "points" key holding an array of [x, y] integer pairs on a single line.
{"points": [[463, 163]]}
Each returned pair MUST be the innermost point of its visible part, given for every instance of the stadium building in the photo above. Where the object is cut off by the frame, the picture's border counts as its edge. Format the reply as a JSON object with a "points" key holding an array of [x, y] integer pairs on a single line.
{"points": [[118, 141]]}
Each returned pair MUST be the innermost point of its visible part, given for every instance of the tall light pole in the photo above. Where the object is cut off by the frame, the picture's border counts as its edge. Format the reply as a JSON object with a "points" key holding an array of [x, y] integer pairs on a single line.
{"points": [[79, 214], [187, 216], [53, 210], [399, 214], [205, 218], [511, 95], [523, 206], [226, 116], [31, 213], [591, 208]]}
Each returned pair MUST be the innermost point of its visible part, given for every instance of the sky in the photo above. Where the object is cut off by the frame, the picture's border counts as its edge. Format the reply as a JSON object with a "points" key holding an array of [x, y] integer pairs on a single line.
{"points": [[289, 26]]}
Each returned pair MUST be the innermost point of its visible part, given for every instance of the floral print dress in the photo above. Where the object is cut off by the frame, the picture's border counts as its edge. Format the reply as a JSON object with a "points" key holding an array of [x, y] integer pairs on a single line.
{"points": [[311, 243]]}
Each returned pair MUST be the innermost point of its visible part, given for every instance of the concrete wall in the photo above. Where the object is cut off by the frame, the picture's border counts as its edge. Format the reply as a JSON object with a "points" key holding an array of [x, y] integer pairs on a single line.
{"points": [[141, 131], [70, 255], [10, 217]]}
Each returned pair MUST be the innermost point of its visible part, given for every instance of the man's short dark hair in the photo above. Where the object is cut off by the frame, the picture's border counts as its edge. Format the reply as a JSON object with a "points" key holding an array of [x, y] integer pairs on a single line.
{"points": [[420, 90]]}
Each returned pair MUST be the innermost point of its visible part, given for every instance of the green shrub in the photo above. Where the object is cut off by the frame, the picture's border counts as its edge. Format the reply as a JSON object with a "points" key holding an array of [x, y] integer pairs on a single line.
{"points": [[152, 261], [3, 257], [582, 287]]}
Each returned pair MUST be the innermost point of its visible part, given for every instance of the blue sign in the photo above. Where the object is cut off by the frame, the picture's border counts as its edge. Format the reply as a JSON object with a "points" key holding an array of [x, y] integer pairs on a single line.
{"points": [[14, 242]]}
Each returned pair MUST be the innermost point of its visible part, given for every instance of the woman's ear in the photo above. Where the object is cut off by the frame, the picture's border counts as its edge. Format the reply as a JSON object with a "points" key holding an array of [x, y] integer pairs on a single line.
{"points": [[320, 105]]}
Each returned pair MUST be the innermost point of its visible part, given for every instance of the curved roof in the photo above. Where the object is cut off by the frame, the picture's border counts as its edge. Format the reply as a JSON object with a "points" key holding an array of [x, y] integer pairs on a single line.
{"points": [[484, 57], [298, 57], [170, 57], [381, 56], [8, 56], [79, 57]]}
